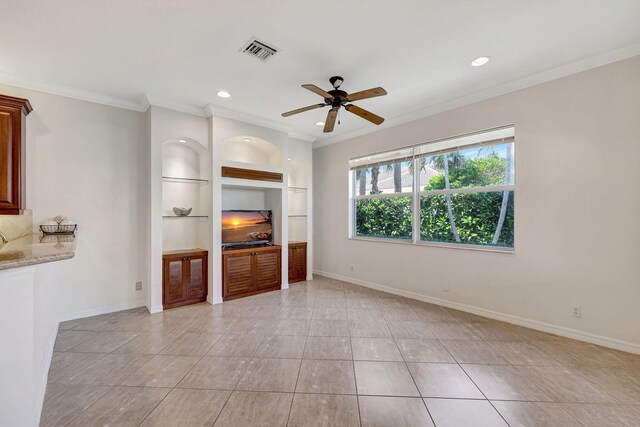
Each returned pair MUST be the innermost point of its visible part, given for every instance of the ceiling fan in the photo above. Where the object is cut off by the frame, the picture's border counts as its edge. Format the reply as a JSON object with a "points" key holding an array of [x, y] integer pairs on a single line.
{"points": [[337, 98]]}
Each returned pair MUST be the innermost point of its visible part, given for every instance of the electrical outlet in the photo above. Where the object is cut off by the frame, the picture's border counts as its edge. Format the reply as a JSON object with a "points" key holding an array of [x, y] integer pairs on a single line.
{"points": [[353, 268], [445, 287], [576, 311], [138, 286]]}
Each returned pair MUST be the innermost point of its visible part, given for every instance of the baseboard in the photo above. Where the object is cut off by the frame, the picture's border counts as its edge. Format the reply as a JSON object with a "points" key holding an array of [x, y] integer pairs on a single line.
{"points": [[101, 310], [155, 309], [516, 320], [43, 382], [211, 300]]}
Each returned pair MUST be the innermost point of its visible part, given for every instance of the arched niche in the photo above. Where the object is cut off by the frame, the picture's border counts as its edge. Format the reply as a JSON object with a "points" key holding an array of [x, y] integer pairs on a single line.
{"points": [[252, 150], [184, 158], [185, 171]]}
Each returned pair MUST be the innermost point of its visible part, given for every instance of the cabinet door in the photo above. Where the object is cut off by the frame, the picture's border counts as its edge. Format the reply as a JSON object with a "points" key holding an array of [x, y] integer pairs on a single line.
{"points": [[10, 147], [267, 269], [197, 284], [292, 264], [300, 262], [174, 281], [237, 270]]}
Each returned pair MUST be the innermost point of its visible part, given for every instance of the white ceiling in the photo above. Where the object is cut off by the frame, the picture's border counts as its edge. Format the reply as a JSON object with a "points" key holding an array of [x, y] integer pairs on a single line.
{"points": [[418, 50]]}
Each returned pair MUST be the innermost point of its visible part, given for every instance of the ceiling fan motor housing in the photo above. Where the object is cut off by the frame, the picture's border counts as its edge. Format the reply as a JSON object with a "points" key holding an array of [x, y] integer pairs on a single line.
{"points": [[339, 98]]}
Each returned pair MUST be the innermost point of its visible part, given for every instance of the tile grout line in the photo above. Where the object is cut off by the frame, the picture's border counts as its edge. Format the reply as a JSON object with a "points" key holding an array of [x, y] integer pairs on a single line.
{"points": [[471, 379], [178, 382], [242, 313], [407, 366], [304, 347], [353, 365]]}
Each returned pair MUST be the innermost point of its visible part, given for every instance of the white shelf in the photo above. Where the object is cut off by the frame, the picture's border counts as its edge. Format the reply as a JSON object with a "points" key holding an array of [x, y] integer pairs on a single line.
{"points": [[177, 179]]}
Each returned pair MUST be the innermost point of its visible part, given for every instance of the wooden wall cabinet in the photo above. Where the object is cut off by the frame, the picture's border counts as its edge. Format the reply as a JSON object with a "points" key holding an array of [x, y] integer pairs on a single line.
{"points": [[250, 271], [184, 278], [13, 112], [297, 262]]}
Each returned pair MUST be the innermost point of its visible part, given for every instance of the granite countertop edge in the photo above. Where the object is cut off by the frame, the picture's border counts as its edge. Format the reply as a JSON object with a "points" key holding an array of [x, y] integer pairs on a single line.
{"points": [[28, 250]]}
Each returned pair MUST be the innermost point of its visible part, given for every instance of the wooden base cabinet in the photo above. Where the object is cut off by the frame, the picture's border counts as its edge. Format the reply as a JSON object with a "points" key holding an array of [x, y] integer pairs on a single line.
{"points": [[184, 277], [297, 262], [250, 271]]}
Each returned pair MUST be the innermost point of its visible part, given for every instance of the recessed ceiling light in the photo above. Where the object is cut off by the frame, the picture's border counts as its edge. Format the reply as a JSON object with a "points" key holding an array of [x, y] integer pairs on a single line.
{"points": [[319, 123], [481, 60], [247, 140], [224, 94], [289, 159], [182, 140]]}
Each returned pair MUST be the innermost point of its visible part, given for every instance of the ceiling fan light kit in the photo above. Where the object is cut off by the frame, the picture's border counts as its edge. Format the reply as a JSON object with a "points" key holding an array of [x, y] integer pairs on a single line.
{"points": [[337, 98]]}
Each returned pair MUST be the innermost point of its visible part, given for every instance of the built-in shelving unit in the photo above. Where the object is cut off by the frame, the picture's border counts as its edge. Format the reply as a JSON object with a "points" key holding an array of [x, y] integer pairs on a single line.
{"points": [[215, 164], [297, 213]]}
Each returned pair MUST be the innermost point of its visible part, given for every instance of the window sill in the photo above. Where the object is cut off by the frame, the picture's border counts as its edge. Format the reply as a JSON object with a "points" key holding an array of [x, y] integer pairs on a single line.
{"points": [[438, 245], [382, 240], [499, 249]]}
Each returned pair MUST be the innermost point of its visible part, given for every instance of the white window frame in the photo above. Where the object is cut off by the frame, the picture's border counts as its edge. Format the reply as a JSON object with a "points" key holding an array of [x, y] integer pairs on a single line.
{"points": [[489, 137]]}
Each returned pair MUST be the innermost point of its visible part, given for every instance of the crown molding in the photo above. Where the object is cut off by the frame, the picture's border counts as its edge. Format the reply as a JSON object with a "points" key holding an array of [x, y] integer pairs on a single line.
{"points": [[70, 92], [532, 80], [302, 136], [209, 110], [158, 101], [214, 110], [144, 102]]}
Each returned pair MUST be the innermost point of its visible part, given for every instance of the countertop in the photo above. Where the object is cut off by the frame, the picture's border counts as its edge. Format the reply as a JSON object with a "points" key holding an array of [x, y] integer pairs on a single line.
{"points": [[36, 249]]}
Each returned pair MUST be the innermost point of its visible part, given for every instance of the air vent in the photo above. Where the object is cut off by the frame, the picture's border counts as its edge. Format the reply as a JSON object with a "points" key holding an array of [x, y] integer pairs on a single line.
{"points": [[259, 49]]}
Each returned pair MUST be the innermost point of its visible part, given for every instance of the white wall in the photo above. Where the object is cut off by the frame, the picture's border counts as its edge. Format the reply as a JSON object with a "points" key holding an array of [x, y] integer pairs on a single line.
{"points": [[17, 375], [28, 325], [577, 204], [87, 161], [243, 198]]}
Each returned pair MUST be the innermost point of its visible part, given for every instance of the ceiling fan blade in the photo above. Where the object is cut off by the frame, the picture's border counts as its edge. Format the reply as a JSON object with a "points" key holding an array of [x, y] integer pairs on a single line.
{"points": [[302, 110], [369, 93], [331, 120], [316, 89], [367, 115]]}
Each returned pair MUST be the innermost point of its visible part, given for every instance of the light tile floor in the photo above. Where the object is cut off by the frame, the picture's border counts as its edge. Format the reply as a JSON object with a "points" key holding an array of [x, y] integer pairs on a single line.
{"points": [[330, 353]]}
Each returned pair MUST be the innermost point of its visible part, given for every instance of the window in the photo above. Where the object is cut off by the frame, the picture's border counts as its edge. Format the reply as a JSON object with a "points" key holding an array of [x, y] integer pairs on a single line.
{"points": [[456, 191], [383, 196]]}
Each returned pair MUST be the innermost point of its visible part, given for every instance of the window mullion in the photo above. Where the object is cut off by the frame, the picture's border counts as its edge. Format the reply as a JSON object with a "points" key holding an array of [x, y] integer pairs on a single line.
{"points": [[416, 201]]}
